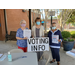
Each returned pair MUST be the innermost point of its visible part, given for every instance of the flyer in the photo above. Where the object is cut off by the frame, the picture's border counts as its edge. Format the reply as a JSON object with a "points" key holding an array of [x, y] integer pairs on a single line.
{"points": [[55, 38], [27, 33]]}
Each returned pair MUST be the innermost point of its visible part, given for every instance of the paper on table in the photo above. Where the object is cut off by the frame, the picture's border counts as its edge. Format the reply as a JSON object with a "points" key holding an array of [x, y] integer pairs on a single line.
{"points": [[70, 54], [1, 55], [27, 33], [72, 51], [55, 38]]}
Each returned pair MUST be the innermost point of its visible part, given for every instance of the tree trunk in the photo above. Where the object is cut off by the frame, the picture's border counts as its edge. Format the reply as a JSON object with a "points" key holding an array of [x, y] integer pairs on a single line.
{"points": [[61, 28], [60, 24], [45, 24], [42, 15]]}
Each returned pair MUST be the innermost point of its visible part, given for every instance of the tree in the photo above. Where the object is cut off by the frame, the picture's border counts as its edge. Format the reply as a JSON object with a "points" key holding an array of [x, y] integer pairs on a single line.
{"points": [[64, 16], [46, 18], [38, 12], [71, 19], [42, 14], [33, 16]]}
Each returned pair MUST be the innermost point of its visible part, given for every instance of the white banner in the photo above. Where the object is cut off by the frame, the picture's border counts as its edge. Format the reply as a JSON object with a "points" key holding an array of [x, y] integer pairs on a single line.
{"points": [[38, 44]]}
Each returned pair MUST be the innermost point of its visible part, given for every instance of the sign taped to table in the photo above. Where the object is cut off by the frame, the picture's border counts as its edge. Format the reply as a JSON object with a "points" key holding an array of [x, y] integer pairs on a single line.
{"points": [[38, 44]]}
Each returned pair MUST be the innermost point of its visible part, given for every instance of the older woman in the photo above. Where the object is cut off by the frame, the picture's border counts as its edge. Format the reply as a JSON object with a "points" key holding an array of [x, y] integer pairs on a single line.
{"points": [[38, 31], [21, 40], [55, 46]]}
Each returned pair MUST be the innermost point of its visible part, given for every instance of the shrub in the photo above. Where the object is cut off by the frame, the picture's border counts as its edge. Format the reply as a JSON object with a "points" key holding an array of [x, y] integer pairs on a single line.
{"points": [[68, 40], [71, 40], [73, 35], [65, 39], [66, 34]]}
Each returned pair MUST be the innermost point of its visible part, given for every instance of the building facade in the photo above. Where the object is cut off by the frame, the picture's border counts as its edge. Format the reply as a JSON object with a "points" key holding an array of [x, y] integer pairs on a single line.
{"points": [[13, 18], [68, 27], [10, 21], [2, 25]]}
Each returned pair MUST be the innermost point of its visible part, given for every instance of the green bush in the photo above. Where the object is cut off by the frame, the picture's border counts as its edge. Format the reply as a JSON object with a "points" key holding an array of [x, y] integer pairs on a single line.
{"points": [[73, 35], [69, 40], [66, 34], [65, 39]]}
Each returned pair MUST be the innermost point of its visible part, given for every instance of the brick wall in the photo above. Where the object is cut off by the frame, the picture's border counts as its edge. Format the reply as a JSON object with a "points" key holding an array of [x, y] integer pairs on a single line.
{"points": [[35, 15], [14, 16], [2, 28], [57, 23]]}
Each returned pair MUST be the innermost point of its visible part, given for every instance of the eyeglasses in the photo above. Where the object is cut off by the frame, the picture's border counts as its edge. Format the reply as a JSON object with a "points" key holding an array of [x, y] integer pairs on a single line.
{"points": [[23, 23]]}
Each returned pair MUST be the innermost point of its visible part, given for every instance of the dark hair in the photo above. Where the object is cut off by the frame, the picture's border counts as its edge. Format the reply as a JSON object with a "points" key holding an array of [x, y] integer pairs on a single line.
{"points": [[37, 19]]}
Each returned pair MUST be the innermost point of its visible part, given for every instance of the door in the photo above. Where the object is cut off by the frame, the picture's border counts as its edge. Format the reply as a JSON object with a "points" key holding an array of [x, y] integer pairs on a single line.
{"points": [[0, 29]]}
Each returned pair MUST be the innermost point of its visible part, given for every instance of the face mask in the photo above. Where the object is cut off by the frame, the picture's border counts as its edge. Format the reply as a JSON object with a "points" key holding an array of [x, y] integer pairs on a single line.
{"points": [[23, 25], [53, 27], [38, 23]]}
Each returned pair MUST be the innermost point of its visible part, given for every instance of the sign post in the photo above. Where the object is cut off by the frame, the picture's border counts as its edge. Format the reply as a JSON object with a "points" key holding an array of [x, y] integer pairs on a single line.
{"points": [[51, 13], [30, 18]]}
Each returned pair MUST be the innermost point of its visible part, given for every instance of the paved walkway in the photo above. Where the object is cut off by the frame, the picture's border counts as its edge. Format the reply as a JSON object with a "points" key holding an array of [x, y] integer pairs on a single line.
{"points": [[65, 59], [6, 46]]}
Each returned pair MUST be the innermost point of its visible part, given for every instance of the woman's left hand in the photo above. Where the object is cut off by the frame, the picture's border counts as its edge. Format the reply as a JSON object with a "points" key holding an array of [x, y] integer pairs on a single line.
{"points": [[59, 40]]}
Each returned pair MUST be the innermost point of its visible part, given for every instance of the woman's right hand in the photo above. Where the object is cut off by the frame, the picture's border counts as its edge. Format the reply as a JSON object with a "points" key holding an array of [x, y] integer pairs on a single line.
{"points": [[32, 37]]}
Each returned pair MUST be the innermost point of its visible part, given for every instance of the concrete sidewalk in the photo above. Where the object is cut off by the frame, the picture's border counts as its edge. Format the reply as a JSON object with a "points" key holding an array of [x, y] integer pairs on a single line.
{"points": [[6, 46], [65, 59]]}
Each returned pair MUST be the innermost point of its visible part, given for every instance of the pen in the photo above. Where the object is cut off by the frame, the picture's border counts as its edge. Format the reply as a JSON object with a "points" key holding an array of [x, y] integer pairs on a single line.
{"points": [[24, 56]]}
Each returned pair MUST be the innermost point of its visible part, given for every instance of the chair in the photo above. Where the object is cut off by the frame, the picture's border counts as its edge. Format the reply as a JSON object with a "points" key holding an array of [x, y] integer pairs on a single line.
{"points": [[16, 51], [12, 36], [47, 56]]}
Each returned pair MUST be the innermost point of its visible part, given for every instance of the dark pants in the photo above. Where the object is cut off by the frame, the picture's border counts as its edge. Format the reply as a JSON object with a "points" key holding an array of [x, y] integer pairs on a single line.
{"points": [[39, 54], [55, 53]]}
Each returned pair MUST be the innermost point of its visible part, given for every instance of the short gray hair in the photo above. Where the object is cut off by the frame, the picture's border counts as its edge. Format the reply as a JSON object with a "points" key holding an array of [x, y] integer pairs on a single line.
{"points": [[22, 21]]}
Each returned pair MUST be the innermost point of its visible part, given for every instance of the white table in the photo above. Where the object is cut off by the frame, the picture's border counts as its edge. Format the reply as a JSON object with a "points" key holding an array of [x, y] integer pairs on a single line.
{"points": [[17, 59]]}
